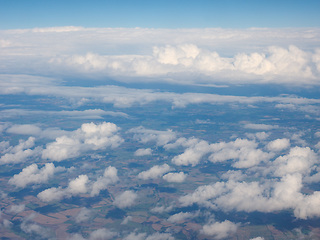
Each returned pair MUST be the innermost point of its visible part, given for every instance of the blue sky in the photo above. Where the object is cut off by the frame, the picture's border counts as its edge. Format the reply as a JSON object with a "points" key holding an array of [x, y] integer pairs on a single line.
{"points": [[159, 14]]}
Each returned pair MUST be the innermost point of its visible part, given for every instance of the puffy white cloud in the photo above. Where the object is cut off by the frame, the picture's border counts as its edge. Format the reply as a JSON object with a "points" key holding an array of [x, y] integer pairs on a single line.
{"points": [[182, 216], [110, 176], [193, 154], [89, 137], [273, 195], [155, 172], [125, 199], [101, 234], [175, 177], [298, 160], [75, 187], [32, 174], [278, 144], [245, 153], [143, 152], [148, 135], [161, 209], [20, 152], [220, 230]]}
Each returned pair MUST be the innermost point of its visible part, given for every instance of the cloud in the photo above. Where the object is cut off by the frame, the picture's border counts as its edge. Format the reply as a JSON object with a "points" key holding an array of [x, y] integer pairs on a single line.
{"points": [[25, 129], [89, 137], [110, 176], [143, 236], [264, 127], [148, 135], [298, 160], [75, 187], [32, 174], [161, 209], [155, 172], [143, 152], [102, 233], [29, 227], [193, 154], [220, 230], [175, 177], [125, 97], [20, 152], [245, 153], [125, 199], [15, 209], [182, 216], [84, 215], [278, 144]]}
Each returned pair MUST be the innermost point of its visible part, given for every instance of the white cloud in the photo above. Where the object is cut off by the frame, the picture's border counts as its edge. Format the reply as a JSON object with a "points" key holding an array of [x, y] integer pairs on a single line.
{"points": [[101, 234], [20, 152], [110, 176], [245, 153], [161, 209], [89, 137], [182, 216], [125, 199], [220, 230], [298, 160], [14, 209], [155, 172], [32, 174], [75, 187], [148, 135], [175, 177], [264, 127], [278, 144], [193, 154], [143, 152], [26, 129]]}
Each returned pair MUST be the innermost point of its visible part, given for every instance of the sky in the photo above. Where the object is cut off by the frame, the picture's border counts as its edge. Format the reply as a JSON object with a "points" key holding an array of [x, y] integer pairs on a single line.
{"points": [[212, 106], [159, 14]]}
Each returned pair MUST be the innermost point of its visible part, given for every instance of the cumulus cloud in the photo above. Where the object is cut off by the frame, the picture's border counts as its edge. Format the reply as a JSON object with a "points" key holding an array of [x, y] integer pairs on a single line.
{"points": [[32, 174], [161, 209], [143, 152], [89, 137], [155, 172], [278, 144], [220, 230], [20, 152], [110, 176], [245, 153], [193, 154], [175, 177], [182, 216], [75, 187], [298, 160], [125, 199], [148, 135]]}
